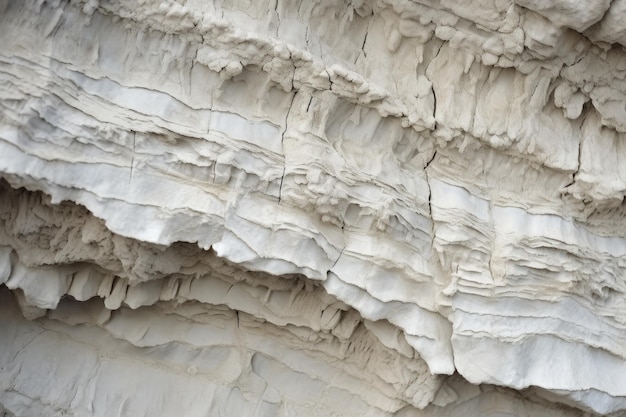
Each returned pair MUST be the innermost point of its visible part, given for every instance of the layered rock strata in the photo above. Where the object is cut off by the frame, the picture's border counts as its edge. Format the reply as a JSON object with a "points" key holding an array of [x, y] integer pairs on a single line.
{"points": [[409, 208]]}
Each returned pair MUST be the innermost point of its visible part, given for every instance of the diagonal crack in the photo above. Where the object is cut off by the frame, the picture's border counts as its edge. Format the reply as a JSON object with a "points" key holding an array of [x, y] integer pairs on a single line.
{"points": [[132, 160], [430, 194], [282, 143]]}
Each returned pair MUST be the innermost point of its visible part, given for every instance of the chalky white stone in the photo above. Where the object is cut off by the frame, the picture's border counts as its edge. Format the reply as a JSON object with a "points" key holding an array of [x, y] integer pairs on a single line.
{"points": [[314, 208]]}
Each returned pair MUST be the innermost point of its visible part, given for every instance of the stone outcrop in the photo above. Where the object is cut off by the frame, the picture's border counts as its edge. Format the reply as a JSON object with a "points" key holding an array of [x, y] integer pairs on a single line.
{"points": [[314, 208]]}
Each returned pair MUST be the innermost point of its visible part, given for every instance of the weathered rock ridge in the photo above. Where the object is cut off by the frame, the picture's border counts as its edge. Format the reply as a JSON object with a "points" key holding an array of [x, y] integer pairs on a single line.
{"points": [[275, 208]]}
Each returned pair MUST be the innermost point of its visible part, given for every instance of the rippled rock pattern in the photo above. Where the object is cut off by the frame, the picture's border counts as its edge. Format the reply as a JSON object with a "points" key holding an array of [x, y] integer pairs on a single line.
{"points": [[312, 208]]}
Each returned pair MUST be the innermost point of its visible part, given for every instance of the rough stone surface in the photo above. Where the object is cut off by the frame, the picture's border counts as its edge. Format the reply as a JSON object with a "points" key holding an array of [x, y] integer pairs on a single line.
{"points": [[312, 208]]}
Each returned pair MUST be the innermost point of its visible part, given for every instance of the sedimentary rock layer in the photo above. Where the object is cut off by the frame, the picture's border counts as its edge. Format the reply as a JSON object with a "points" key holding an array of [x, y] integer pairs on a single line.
{"points": [[312, 208]]}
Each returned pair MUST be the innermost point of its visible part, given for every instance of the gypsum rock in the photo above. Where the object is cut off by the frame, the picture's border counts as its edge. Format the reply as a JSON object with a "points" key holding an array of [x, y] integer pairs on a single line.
{"points": [[451, 171], [283, 344]]}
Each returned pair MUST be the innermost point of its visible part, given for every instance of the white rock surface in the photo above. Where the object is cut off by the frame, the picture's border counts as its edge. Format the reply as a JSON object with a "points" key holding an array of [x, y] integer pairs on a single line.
{"points": [[315, 208]]}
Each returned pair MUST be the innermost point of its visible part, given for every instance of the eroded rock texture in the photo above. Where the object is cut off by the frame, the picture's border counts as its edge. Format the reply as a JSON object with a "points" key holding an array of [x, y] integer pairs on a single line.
{"points": [[312, 208]]}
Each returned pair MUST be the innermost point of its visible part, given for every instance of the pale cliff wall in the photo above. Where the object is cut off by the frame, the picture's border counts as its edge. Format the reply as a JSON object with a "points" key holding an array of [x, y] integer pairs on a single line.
{"points": [[313, 208]]}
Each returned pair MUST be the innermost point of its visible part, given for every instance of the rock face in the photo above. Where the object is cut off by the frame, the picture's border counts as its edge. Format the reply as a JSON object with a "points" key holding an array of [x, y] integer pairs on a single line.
{"points": [[312, 208]]}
